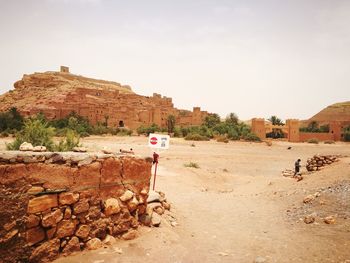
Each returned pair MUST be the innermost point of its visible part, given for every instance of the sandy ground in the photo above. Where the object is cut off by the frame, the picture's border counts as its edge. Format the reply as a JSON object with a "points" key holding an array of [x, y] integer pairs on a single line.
{"points": [[237, 207]]}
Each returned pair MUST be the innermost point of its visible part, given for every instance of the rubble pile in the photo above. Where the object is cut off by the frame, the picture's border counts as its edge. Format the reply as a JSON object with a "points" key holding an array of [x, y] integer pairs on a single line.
{"points": [[319, 161], [55, 204]]}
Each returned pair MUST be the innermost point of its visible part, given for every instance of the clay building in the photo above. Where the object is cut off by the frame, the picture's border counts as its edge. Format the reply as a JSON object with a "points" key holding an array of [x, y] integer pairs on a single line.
{"points": [[57, 94]]}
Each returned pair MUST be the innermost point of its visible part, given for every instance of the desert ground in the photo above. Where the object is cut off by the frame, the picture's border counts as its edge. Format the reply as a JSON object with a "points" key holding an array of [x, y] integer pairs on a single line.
{"points": [[237, 207]]}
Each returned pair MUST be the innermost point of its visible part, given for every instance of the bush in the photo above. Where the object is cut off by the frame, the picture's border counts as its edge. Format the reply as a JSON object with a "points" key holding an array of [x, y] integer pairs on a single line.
{"points": [[146, 130], [314, 140], [124, 132], [4, 134], [69, 142], [222, 139], [252, 137], [329, 142], [232, 134], [37, 132], [192, 165], [11, 120], [196, 137], [73, 122]]}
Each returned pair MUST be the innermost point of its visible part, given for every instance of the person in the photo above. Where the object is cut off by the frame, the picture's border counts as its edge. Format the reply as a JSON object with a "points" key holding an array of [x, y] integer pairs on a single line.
{"points": [[297, 167]]}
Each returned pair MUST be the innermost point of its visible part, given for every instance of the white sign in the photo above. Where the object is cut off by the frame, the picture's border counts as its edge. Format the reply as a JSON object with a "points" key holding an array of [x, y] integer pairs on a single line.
{"points": [[158, 141]]}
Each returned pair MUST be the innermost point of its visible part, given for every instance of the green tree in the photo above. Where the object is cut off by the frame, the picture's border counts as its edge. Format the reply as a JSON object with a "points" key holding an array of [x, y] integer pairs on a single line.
{"points": [[171, 123], [232, 119], [275, 120], [211, 120]]}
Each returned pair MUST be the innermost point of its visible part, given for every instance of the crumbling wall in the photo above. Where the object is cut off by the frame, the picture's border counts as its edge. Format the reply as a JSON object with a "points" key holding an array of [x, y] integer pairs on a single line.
{"points": [[53, 204]]}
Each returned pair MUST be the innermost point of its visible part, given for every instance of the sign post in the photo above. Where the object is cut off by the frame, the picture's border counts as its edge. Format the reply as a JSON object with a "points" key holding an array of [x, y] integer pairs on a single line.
{"points": [[157, 141]]}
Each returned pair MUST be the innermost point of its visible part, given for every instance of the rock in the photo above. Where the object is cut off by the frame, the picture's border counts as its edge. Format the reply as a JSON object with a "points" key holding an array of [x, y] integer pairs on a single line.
{"points": [[223, 254], [80, 149], [152, 206], [153, 196], [126, 196], [111, 206], [68, 198], [146, 219], [309, 219], [46, 252], [52, 218], [109, 240], [132, 204], [26, 147], [131, 234], [159, 210], [259, 260], [10, 225], [39, 149], [83, 231], [106, 151], [156, 220], [35, 190], [50, 233], [166, 205], [32, 221], [308, 199], [86, 161], [35, 235], [67, 213], [9, 236], [42, 203], [329, 220], [93, 244], [65, 228], [73, 245], [81, 206]]}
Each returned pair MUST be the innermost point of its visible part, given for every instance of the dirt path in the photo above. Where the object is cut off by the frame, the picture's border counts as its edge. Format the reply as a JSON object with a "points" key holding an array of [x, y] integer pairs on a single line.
{"points": [[237, 207]]}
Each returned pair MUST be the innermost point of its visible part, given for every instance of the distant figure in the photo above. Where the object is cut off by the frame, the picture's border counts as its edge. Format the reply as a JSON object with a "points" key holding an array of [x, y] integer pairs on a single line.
{"points": [[290, 147], [297, 167]]}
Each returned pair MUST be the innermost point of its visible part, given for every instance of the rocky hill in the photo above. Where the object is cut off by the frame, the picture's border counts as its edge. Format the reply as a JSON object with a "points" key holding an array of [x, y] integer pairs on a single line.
{"points": [[39, 88], [336, 112]]}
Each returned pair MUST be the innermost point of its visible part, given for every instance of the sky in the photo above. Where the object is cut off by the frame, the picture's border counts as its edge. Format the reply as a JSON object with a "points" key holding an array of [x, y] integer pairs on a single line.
{"points": [[289, 58]]}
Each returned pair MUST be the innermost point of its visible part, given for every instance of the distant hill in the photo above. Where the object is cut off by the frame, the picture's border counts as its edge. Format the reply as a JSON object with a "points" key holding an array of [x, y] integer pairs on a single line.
{"points": [[335, 112]]}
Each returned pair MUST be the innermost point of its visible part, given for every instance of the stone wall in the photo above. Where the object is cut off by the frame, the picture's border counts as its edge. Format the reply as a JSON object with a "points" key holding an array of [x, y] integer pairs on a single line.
{"points": [[59, 203]]}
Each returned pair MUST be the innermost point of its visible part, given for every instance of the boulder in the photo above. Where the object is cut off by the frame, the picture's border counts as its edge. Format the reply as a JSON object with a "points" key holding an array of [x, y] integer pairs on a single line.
{"points": [[93, 244], [35, 190], [111, 206], [65, 228], [32, 221], [109, 240], [329, 220], [35, 235], [46, 252], [26, 147], [81, 206]]}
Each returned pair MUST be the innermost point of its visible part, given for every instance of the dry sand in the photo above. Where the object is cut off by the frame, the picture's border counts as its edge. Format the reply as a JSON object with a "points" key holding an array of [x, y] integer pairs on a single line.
{"points": [[237, 207]]}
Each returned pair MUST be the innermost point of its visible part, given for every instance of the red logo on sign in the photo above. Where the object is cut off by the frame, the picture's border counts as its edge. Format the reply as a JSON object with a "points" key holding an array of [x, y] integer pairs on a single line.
{"points": [[153, 140]]}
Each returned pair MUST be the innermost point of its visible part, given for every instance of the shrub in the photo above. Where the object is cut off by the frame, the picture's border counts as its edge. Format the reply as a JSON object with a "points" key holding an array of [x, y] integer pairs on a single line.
{"points": [[252, 137], [4, 134], [222, 139], [191, 165], [233, 134], [11, 120], [124, 132], [69, 142], [329, 142], [148, 129], [314, 140], [196, 137], [37, 132]]}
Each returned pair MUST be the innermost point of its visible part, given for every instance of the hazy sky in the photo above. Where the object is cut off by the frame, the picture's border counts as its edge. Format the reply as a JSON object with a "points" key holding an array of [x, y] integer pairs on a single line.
{"points": [[255, 58]]}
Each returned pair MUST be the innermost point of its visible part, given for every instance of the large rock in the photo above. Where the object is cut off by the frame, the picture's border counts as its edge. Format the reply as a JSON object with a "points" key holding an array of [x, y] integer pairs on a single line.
{"points": [[35, 235], [73, 245], [68, 198], [32, 221], [83, 231], [65, 228], [51, 219], [126, 196], [26, 146], [93, 244], [81, 206], [111, 206], [131, 234], [153, 196], [42, 203], [46, 252]]}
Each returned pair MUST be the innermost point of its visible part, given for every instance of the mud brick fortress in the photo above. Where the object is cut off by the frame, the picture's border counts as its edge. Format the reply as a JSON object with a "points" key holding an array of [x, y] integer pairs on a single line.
{"points": [[57, 94]]}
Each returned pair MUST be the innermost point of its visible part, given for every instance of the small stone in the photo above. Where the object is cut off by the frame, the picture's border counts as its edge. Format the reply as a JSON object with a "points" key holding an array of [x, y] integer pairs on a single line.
{"points": [[68, 198], [35, 235], [50, 233], [67, 213], [132, 204], [93, 244], [106, 150], [126, 196], [223, 254], [86, 161], [52, 218], [308, 199], [156, 220], [153, 196], [26, 147], [309, 219], [329, 220], [109, 240], [166, 205], [81, 206], [39, 149], [80, 149], [10, 225], [159, 210], [83, 231], [146, 219], [73, 245], [32, 221], [35, 190], [131, 234], [111, 206]]}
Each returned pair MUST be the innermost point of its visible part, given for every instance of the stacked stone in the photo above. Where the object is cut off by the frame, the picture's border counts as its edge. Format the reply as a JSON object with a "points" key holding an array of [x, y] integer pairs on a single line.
{"points": [[319, 161], [60, 203]]}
